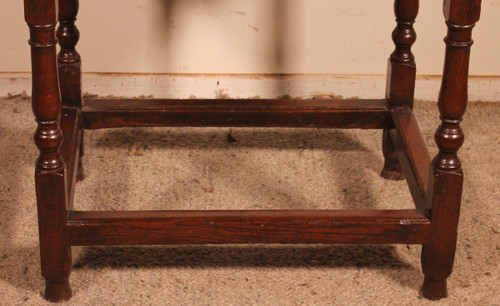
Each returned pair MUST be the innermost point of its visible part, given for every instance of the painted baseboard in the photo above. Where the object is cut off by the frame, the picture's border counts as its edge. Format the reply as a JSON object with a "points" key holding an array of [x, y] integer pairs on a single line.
{"points": [[180, 86]]}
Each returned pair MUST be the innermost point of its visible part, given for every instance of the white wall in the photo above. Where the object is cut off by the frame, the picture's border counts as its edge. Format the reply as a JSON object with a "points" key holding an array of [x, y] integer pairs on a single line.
{"points": [[250, 36]]}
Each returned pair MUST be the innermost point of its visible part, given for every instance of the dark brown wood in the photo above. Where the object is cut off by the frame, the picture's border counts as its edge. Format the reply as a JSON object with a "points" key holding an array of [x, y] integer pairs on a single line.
{"points": [[446, 177], [69, 63], [401, 73], [401, 69], [50, 172], [238, 226], [436, 186], [392, 167], [69, 60], [70, 147], [106, 113], [412, 154], [80, 175]]}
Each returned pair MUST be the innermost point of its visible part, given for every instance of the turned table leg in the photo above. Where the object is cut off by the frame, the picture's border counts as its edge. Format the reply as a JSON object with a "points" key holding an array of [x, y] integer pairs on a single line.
{"points": [[447, 178], [50, 172], [69, 63], [400, 78]]}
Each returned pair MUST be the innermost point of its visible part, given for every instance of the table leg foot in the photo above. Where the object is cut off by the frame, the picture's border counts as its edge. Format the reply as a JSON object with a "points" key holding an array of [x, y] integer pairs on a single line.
{"points": [[434, 289], [57, 291]]}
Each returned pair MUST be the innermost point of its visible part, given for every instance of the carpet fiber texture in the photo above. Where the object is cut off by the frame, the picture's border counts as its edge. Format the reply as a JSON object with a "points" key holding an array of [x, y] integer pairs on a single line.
{"points": [[243, 168]]}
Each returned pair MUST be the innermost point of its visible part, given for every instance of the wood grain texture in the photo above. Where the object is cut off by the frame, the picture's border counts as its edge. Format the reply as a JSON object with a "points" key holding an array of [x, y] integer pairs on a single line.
{"points": [[392, 167], [236, 113], [412, 154], [254, 226], [446, 175], [401, 75], [69, 66], [70, 148], [50, 171], [401, 71], [69, 61], [436, 187]]}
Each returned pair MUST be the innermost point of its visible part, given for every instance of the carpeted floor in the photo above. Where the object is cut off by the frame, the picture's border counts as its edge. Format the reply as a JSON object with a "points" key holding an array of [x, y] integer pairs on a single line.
{"points": [[194, 168]]}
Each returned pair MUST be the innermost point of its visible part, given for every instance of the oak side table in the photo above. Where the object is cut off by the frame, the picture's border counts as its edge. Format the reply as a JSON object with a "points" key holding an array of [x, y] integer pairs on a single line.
{"points": [[435, 185]]}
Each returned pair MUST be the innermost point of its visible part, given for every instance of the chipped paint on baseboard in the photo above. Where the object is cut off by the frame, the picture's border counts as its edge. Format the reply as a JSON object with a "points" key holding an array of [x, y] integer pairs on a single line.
{"points": [[183, 86]]}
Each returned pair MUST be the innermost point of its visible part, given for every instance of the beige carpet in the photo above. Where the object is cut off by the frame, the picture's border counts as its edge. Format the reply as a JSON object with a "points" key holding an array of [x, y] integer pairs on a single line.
{"points": [[195, 168]]}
